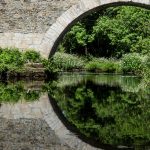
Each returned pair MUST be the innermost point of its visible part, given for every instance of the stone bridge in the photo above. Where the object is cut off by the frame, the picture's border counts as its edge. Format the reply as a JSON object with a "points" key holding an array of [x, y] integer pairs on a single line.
{"points": [[41, 24]]}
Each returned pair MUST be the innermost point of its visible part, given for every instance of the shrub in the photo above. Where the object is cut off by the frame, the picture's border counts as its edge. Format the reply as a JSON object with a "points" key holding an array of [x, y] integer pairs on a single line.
{"points": [[65, 61], [132, 63], [32, 56], [49, 66], [103, 65], [9, 56], [146, 70], [10, 59]]}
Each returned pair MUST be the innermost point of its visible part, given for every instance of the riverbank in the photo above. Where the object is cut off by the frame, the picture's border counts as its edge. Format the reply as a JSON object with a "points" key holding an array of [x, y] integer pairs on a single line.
{"points": [[30, 65], [132, 63], [20, 65], [32, 71]]}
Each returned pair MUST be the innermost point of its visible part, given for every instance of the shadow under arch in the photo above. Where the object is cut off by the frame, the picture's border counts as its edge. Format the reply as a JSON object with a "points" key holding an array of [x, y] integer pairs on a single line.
{"points": [[64, 23], [72, 128]]}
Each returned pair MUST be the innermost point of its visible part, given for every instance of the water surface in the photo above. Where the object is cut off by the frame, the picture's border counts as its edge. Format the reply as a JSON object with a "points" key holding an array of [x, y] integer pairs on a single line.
{"points": [[82, 111], [112, 111]]}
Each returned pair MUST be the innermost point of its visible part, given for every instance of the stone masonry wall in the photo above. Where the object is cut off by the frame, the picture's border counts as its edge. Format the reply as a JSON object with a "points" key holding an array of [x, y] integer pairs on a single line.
{"points": [[31, 16], [41, 24]]}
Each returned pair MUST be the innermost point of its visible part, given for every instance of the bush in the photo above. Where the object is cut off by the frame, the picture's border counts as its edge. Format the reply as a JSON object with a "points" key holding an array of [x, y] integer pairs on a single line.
{"points": [[49, 66], [32, 56], [146, 70], [65, 61], [132, 63], [103, 65], [10, 59]]}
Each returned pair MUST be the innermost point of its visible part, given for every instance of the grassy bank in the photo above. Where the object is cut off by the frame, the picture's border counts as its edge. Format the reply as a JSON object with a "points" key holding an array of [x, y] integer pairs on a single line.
{"points": [[132, 63], [30, 63], [14, 63], [13, 60]]}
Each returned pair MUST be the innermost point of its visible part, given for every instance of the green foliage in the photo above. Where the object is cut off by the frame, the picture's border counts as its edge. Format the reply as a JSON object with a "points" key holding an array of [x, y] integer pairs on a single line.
{"points": [[76, 38], [146, 70], [132, 63], [10, 59], [127, 31], [105, 113], [32, 56], [103, 65], [141, 46], [50, 66], [111, 33], [80, 34], [12, 93], [64, 61]]}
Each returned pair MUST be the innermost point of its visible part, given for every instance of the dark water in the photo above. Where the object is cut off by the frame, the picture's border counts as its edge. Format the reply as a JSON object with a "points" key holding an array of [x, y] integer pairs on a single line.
{"points": [[106, 111], [111, 111]]}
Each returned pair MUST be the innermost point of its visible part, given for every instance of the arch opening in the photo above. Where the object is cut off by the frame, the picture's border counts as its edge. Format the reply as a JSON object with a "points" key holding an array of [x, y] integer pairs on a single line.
{"points": [[64, 23]]}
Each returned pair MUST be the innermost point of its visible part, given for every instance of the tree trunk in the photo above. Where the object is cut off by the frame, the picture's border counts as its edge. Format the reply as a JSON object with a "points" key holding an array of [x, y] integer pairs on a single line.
{"points": [[86, 51]]}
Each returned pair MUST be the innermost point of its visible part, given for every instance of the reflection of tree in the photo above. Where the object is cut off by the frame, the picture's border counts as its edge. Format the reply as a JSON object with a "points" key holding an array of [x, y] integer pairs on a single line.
{"points": [[127, 83], [106, 113], [13, 92], [10, 93]]}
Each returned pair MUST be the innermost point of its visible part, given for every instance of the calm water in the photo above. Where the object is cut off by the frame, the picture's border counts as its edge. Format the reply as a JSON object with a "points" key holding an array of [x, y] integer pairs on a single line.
{"points": [[76, 111]]}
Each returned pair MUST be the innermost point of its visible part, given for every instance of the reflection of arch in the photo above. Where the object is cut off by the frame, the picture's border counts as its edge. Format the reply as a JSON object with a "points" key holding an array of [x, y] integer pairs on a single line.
{"points": [[63, 129], [42, 109], [56, 32], [87, 143]]}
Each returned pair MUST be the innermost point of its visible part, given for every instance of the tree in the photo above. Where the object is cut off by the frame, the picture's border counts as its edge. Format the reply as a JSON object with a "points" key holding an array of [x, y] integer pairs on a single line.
{"points": [[111, 33]]}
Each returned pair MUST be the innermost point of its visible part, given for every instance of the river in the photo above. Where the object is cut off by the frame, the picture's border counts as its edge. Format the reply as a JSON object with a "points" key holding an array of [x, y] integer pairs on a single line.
{"points": [[77, 111]]}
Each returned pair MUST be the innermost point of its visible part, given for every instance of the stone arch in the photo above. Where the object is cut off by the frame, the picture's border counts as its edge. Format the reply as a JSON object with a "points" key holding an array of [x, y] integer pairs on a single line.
{"points": [[56, 32]]}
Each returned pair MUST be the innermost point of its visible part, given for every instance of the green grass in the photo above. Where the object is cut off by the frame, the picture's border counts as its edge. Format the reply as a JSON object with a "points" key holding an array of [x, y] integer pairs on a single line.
{"points": [[103, 65], [12, 59], [132, 63], [65, 61]]}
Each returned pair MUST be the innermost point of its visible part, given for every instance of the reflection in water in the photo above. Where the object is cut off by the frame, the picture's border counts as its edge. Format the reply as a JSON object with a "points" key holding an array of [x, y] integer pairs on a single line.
{"points": [[27, 134], [14, 92], [111, 109], [108, 111], [25, 118]]}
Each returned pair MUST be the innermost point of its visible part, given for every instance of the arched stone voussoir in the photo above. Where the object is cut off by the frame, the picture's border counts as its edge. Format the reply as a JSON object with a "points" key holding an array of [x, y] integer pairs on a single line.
{"points": [[75, 13]]}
